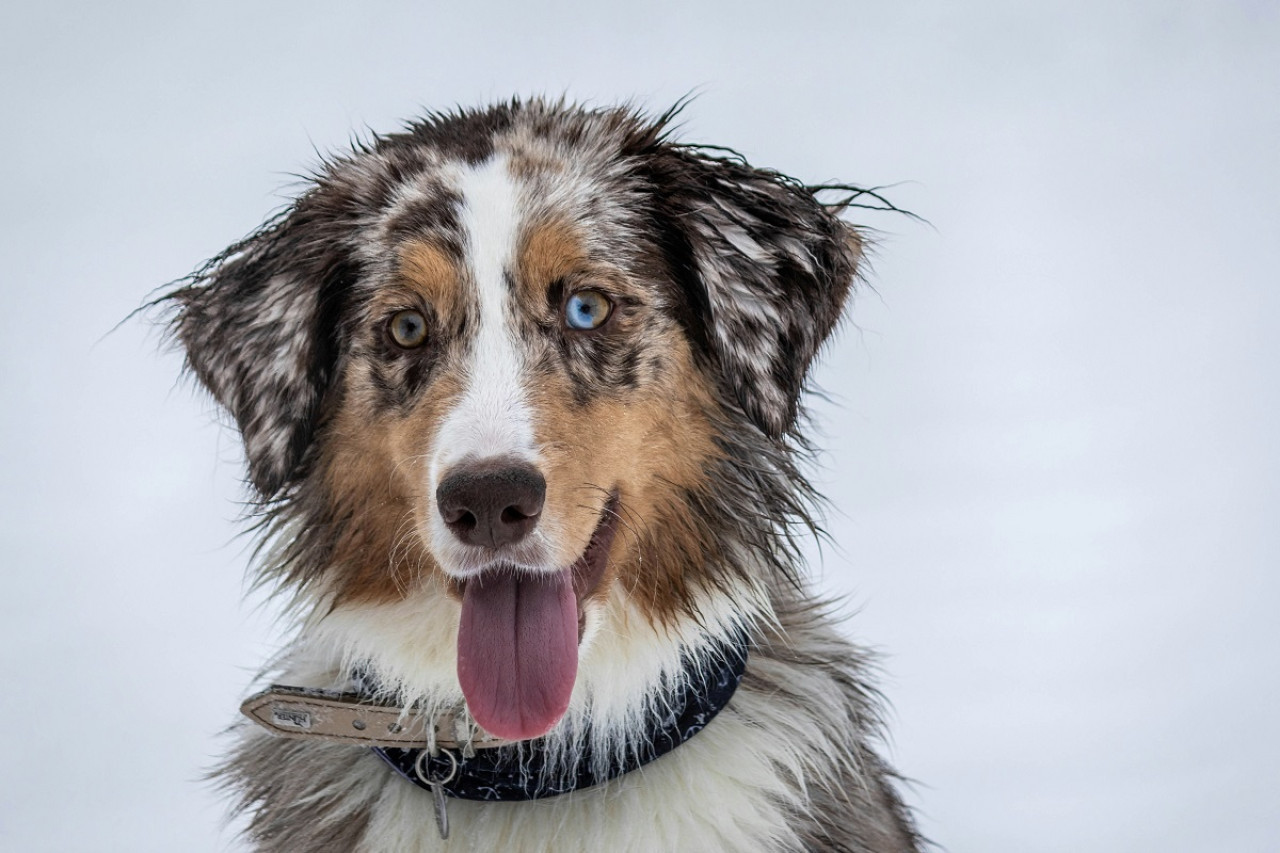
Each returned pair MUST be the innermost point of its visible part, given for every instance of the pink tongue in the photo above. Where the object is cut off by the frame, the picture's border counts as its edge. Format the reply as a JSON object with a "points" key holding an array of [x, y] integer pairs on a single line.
{"points": [[518, 651]]}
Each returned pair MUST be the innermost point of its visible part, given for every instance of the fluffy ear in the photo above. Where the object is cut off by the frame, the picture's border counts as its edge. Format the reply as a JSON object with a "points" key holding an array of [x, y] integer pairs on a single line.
{"points": [[772, 267], [252, 326]]}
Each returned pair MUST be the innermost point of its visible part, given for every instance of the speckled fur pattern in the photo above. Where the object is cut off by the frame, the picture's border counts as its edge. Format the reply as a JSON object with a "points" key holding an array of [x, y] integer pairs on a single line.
{"points": [[683, 410]]}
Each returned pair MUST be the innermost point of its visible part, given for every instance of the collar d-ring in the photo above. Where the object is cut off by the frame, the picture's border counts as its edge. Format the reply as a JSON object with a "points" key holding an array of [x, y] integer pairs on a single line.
{"points": [[422, 767]]}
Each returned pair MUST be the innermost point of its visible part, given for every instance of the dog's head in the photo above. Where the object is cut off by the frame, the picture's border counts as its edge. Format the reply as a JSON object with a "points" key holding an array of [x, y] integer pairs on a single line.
{"points": [[531, 360]]}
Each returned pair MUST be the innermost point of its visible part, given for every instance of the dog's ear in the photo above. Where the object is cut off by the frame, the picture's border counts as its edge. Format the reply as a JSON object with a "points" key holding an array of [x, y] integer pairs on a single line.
{"points": [[254, 322], [766, 268]]}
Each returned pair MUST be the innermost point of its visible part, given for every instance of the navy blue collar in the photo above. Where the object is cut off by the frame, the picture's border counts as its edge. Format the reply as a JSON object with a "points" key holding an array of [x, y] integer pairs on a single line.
{"points": [[519, 771]]}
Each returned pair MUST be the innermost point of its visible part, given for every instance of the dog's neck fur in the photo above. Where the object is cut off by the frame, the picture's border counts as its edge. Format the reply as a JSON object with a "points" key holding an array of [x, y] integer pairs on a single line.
{"points": [[785, 764]]}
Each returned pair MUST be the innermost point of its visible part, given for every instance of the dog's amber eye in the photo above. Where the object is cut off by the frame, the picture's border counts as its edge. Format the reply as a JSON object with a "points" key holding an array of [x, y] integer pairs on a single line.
{"points": [[408, 329], [587, 309]]}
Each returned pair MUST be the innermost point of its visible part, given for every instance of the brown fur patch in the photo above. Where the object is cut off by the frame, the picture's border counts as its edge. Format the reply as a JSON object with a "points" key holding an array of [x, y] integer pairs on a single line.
{"points": [[546, 253], [555, 251], [373, 473], [433, 273], [371, 466], [651, 448]]}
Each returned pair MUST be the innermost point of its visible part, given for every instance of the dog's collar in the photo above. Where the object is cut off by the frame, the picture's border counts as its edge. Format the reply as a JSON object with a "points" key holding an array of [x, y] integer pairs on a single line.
{"points": [[515, 771], [523, 770], [448, 756]]}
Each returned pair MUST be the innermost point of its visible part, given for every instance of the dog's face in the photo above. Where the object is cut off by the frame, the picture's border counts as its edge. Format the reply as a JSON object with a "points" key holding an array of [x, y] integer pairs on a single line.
{"points": [[503, 357], [513, 381]]}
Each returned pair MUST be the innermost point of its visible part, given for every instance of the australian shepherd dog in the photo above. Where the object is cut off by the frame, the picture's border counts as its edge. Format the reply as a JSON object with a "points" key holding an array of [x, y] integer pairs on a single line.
{"points": [[519, 392]]}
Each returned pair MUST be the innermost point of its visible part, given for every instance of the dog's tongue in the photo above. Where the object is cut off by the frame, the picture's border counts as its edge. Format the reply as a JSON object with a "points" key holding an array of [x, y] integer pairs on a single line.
{"points": [[518, 651]]}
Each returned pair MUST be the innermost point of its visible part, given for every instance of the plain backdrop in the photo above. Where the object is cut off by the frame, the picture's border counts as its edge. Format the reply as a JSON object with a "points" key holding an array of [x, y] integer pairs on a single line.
{"points": [[1051, 434]]}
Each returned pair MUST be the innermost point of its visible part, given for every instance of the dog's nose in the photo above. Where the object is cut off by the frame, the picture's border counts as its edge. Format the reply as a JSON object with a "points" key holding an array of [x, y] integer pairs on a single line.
{"points": [[491, 504]]}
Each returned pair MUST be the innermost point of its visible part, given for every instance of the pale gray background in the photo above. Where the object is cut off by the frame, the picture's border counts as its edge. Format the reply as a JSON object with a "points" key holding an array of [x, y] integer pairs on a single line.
{"points": [[1052, 452]]}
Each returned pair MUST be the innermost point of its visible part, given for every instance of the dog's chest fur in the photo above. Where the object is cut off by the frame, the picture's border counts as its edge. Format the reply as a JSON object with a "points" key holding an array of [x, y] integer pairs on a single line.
{"points": [[784, 768], [519, 390]]}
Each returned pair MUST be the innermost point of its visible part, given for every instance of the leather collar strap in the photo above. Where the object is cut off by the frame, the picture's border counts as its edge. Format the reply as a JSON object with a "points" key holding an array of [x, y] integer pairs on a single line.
{"points": [[314, 714], [514, 772]]}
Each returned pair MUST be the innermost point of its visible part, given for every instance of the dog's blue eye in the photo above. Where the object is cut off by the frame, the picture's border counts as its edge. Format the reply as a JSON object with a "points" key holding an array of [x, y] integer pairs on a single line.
{"points": [[408, 329], [587, 309]]}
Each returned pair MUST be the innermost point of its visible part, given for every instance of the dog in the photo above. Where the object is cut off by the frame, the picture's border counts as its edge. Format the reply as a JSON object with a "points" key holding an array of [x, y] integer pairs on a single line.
{"points": [[519, 390]]}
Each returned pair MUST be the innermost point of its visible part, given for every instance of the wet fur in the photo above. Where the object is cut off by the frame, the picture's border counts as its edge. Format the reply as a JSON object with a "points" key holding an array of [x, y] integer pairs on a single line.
{"points": [[726, 279]]}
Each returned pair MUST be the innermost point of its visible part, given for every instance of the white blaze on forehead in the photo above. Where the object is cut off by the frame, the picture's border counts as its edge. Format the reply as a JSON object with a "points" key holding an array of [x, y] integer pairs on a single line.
{"points": [[492, 418]]}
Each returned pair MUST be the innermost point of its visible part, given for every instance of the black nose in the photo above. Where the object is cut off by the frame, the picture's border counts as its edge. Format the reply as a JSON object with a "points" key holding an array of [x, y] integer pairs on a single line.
{"points": [[491, 503]]}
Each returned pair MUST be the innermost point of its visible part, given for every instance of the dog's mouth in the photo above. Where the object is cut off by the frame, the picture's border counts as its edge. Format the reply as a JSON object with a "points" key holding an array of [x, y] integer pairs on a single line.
{"points": [[519, 634]]}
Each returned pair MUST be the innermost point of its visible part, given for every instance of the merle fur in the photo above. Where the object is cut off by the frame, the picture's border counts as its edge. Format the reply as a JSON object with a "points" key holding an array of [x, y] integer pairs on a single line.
{"points": [[697, 205]]}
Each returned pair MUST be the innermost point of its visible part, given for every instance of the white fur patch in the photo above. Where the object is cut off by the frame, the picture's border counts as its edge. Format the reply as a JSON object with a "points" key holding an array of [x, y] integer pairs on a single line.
{"points": [[493, 417]]}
